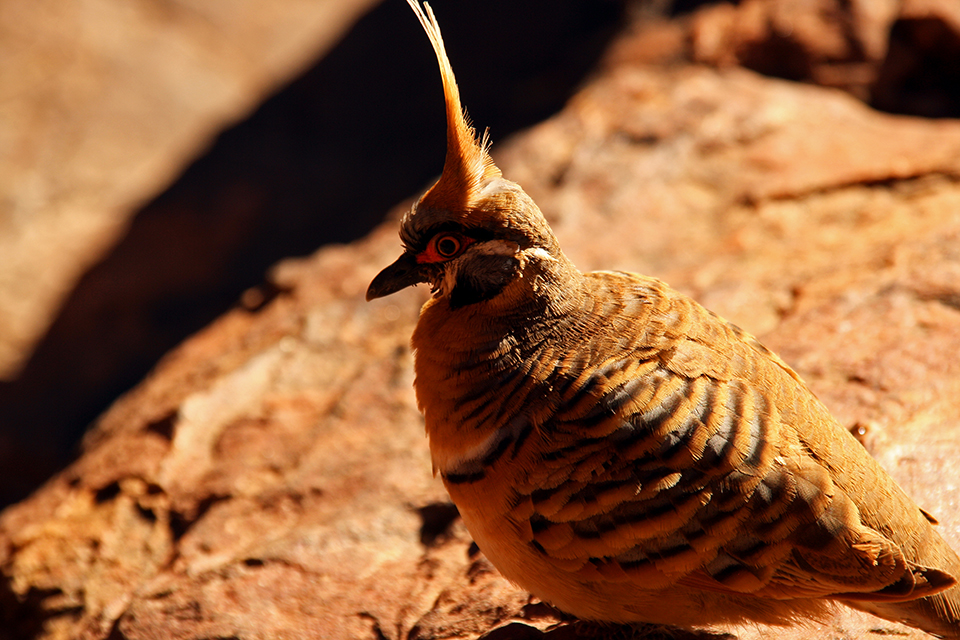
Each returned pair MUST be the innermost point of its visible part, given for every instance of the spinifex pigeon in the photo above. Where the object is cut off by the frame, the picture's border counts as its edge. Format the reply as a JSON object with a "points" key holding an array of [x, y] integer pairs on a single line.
{"points": [[622, 452]]}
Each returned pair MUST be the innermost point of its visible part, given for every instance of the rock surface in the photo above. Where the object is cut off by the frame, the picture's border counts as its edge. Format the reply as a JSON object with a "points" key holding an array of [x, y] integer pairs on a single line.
{"points": [[101, 105], [271, 479], [294, 175], [898, 55]]}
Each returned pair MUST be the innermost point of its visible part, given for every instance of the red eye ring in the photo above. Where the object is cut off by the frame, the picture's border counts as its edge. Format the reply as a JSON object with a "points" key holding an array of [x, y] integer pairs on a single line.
{"points": [[444, 246], [447, 245]]}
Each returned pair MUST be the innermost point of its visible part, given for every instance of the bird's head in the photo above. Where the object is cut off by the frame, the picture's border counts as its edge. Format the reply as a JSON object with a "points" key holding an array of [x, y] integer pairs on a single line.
{"points": [[474, 233]]}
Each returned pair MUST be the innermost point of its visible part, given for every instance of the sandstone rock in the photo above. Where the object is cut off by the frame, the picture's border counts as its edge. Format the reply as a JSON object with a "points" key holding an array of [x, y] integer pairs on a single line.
{"points": [[899, 55], [292, 176], [101, 105], [270, 478]]}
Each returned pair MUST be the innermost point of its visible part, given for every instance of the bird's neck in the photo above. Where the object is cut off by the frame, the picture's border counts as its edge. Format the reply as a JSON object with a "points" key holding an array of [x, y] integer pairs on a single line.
{"points": [[464, 357], [547, 294]]}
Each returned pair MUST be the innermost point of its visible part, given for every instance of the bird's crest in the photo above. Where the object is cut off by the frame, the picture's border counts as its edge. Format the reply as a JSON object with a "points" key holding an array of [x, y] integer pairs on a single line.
{"points": [[468, 163]]}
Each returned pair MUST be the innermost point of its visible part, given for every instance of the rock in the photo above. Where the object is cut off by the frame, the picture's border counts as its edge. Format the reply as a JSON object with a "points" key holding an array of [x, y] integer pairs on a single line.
{"points": [[292, 176], [900, 56], [270, 477], [102, 104]]}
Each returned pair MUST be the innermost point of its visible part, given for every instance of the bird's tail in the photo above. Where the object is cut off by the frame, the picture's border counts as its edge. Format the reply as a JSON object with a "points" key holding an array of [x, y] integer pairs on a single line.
{"points": [[939, 614]]}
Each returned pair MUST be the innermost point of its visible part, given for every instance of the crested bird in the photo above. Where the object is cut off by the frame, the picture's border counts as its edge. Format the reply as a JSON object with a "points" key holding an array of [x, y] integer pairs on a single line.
{"points": [[625, 454]]}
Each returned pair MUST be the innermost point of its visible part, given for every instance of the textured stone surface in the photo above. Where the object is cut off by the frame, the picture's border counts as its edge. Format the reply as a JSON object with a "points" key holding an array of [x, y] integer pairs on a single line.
{"points": [[270, 478], [102, 103], [320, 161], [899, 55]]}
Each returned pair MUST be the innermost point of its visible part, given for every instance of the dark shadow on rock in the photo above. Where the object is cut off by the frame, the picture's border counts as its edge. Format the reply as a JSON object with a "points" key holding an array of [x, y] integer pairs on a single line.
{"points": [[320, 162], [581, 630], [921, 74]]}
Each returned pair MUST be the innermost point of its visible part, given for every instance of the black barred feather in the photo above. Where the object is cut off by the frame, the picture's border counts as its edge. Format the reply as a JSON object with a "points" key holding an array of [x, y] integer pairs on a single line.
{"points": [[624, 453]]}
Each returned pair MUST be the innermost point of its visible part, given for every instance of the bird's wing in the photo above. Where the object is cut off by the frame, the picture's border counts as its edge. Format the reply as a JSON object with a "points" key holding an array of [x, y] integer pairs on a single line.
{"points": [[677, 464]]}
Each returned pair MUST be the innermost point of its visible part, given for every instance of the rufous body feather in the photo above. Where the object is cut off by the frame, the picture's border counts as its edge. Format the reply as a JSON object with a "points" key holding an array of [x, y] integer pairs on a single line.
{"points": [[627, 455]]}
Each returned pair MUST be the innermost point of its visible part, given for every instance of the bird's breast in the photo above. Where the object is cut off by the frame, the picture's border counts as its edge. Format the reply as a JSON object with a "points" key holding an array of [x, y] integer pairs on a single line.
{"points": [[477, 402], [487, 385]]}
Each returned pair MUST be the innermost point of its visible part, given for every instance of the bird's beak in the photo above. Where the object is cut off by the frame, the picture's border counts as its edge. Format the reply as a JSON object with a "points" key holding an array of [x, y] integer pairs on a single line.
{"points": [[403, 273]]}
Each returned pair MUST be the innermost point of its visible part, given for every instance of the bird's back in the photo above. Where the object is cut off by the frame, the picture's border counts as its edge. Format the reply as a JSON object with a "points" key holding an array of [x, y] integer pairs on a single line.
{"points": [[640, 444]]}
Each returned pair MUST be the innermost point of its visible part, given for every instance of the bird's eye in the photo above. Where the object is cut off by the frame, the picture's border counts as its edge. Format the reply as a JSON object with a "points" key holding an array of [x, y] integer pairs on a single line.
{"points": [[448, 245], [443, 247]]}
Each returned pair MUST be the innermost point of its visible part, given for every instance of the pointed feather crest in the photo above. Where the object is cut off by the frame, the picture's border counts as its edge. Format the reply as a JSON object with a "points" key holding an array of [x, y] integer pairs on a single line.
{"points": [[468, 163]]}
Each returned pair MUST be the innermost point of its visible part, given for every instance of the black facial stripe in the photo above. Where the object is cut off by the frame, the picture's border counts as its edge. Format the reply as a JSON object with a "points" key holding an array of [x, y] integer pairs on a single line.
{"points": [[481, 278]]}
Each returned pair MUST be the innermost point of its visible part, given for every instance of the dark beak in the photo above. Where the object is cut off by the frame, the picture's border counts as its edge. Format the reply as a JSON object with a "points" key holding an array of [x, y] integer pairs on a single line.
{"points": [[403, 273]]}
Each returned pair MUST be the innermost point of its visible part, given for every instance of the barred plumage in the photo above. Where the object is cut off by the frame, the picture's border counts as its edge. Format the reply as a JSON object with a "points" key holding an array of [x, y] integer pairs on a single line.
{"points": [[628, 455]]}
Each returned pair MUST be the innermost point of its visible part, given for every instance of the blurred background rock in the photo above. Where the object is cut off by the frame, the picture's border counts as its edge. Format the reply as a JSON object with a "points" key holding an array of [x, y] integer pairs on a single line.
{"points": [[157, 156]]}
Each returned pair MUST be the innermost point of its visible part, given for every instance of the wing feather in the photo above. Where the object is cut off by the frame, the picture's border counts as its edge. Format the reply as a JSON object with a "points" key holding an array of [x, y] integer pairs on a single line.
{"points": [[675, 463]]}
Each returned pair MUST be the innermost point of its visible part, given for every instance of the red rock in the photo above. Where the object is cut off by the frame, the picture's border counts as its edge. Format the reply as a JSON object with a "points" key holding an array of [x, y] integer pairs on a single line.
{"points": [[271, 478]]}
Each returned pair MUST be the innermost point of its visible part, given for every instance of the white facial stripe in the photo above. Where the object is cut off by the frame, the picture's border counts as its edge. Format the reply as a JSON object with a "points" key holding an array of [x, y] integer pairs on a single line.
{"points": [[496, 248], [541, 253], [450, 277]]}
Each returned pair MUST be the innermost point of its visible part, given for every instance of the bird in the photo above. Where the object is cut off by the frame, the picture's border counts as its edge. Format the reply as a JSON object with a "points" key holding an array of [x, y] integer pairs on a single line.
{"points": [[623, 453]]}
